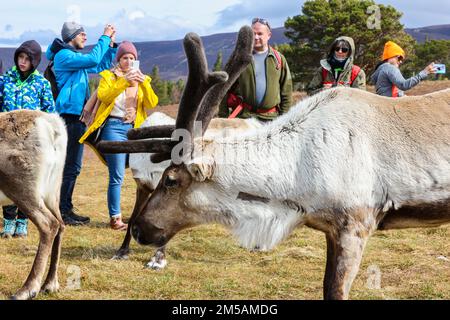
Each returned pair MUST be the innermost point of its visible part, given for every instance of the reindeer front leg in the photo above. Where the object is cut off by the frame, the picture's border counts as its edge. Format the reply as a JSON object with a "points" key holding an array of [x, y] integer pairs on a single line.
{"points": [[48, 227], [345, 248], [142, 194]]}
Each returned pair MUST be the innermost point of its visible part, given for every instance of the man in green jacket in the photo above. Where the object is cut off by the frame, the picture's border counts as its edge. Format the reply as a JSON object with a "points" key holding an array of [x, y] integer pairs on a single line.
{"points": [[264, 89]]}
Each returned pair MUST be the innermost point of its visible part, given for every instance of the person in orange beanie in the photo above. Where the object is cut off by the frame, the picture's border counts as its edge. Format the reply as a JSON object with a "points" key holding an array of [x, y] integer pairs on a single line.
{"points": [[388, 79]]}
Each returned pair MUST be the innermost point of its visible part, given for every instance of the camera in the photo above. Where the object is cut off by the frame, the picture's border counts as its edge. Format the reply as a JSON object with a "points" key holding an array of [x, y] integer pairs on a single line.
{"points": [[440, 68]]}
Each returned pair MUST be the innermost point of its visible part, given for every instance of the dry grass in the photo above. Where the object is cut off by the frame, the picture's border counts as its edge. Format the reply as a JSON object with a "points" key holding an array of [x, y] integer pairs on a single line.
{"points": [[206, 263]]}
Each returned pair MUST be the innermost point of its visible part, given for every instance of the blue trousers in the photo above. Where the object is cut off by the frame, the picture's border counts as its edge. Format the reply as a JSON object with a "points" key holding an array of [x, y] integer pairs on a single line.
{"points": [[115, 130], [74, 160]]}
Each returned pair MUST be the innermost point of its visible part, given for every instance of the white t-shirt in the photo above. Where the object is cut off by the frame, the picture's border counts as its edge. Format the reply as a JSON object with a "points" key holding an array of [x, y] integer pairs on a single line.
{"points": [[119, 106]]}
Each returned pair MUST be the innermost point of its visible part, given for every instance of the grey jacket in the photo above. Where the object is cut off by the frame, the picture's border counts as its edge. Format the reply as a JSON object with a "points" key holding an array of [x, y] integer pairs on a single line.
{"points": [[388, 75]]}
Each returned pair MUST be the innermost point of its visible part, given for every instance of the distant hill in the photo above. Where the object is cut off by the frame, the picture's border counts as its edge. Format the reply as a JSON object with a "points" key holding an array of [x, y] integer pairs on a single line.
{"points": [[170, 58], [441, 32]]}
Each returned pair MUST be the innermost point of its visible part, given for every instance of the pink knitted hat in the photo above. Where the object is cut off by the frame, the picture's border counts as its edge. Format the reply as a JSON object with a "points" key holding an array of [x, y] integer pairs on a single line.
{"points": [[124, 48]]}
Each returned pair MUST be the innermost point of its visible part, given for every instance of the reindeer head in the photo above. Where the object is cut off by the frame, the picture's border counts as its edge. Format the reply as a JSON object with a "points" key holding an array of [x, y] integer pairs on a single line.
{"points": [[165, 213]]}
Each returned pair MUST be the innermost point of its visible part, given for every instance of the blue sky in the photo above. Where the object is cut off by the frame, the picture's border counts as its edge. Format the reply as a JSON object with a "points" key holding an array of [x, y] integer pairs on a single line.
{"points": [[139, 20]]}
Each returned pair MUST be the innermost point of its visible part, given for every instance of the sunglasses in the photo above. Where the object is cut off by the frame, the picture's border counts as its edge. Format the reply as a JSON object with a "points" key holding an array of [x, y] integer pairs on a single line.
{"points": [[262, 21], [344, 50]]}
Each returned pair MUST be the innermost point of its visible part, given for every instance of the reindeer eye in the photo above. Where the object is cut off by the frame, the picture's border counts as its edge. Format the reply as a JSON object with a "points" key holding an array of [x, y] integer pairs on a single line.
{"points": [[170, 182]]}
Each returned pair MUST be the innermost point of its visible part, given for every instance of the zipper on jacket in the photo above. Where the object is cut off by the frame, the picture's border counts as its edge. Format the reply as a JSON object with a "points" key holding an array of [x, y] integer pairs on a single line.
{"points": [[70, 92]]}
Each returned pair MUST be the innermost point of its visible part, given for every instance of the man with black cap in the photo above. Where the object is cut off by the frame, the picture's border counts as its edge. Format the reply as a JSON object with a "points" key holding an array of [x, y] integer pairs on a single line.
{"points": [[23, 87], [71, 71]]}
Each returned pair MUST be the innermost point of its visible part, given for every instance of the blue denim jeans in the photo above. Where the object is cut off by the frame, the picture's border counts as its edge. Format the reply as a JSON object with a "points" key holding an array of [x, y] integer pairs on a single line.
{"points": [[74, 160], [115, 130]]}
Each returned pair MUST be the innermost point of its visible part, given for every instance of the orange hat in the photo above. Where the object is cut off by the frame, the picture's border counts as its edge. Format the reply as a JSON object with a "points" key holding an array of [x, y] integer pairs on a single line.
{"points": [[391, 49]]}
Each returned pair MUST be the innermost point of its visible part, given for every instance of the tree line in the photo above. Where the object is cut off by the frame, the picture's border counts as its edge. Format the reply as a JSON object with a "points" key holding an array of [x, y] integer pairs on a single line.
{"points": [[370, 24]]}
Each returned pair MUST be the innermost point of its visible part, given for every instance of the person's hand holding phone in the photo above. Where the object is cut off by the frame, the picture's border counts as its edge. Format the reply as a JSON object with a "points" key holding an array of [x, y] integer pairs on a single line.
{"points": [[130, 76], [135, 73], [430, 69], [109, 30], [139, 76]]}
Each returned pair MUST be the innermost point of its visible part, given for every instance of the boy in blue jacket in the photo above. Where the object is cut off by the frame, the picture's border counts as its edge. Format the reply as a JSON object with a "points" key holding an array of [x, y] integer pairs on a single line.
{"points": [[71, 71], [23, 87]]}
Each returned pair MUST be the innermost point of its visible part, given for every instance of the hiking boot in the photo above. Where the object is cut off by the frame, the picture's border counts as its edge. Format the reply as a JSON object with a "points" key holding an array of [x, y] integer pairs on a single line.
{"points": [[21, 228], [75, 215], [69, 221], [9, 227], [117, 224]]}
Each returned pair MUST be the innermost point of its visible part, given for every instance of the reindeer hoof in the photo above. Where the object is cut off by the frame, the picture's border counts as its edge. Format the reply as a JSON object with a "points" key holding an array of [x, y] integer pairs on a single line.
{"points": [[156, 265], [121, 255], [24, 295], [50, 287]]}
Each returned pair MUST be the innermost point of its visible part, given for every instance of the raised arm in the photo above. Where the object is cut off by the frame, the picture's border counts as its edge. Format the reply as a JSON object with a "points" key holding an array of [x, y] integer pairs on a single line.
{"points": [[73, 61]]}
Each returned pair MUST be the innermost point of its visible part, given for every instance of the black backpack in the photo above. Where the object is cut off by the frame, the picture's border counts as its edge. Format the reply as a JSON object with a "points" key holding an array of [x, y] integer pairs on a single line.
{"points": [[49, 74]]}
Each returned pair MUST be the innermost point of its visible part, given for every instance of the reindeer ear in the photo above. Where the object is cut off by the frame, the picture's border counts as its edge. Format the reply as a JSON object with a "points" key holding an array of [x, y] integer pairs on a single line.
{"points": [[201, 171]]}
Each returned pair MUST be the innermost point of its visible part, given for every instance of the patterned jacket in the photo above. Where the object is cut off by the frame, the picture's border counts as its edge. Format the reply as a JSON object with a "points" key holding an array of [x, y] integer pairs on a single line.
{"points": [[33, 93]]}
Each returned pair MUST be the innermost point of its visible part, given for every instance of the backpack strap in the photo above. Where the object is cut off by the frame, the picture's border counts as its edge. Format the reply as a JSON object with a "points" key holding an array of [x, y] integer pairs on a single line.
{"points": [[278, 58], [49, 74], [355, 72], [324, 77], [394, 91]]}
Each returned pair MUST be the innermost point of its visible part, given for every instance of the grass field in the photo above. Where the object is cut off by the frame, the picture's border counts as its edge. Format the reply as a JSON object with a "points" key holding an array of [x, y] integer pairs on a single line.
{"points": [[206, 262]]}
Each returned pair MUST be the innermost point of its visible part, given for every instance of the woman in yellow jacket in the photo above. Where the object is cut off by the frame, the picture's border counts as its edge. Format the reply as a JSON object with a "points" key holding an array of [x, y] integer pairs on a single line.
{"points": [[124, 93]]}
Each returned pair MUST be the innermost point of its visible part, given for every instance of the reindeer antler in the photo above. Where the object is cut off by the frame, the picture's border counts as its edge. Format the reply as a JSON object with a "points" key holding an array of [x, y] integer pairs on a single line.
{"points": [[137, 146], [201, 96], [151, 132], [198, 82], [238, 61]]}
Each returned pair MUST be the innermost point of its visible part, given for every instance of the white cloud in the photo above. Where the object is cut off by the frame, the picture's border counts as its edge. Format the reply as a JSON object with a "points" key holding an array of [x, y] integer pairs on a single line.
{"points": [[137, 25], [276, 12], [138, 14]]}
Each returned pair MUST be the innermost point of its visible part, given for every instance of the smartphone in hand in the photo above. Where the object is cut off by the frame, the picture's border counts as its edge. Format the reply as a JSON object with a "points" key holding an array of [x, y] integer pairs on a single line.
{"points": [[440, 68], [135, 65]]}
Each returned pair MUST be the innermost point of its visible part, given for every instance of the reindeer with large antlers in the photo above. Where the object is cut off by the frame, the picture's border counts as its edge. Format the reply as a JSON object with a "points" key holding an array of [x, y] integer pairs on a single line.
{"points": [[147, 174], [345, 162], [33, 145]]}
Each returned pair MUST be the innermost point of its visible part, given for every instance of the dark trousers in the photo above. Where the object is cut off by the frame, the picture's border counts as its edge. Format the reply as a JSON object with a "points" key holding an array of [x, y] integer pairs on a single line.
{"points": [[12, 212], [74, 158]]}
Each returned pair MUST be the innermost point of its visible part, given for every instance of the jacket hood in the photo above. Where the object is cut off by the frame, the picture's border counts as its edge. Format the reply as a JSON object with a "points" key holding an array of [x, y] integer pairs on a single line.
{"points": [[350, 41], [56, 47], [325, 63], [33, 50]]}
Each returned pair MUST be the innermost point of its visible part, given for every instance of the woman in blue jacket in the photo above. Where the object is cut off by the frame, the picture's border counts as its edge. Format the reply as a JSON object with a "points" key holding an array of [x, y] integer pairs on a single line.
{"points": [[23, 87]]}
